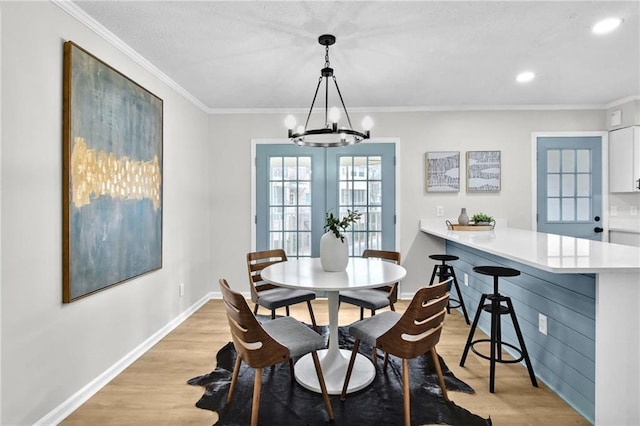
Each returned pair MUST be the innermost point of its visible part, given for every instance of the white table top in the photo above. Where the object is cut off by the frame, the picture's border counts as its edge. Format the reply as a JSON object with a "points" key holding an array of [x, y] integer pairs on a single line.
{"points": [[549, 252], [307, 273]]}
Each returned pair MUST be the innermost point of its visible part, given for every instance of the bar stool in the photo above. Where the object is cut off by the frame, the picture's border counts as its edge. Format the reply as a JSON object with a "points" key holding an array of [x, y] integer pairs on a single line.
{"points": [[495, 308], [445, 271]]}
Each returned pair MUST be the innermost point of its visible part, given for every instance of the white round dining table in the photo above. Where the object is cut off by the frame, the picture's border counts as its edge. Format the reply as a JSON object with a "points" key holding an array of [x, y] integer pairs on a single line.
{"points": [[307, 273]]}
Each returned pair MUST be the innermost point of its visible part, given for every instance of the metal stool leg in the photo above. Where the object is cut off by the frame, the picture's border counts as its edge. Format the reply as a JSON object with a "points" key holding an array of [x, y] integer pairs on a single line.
{"points": [[523, 348], [455, 282], [433, 274], [467, 346]]}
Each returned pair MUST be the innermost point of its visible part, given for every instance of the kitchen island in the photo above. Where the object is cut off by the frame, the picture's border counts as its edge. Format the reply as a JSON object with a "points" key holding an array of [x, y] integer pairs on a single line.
{"points": [[589, 290]]}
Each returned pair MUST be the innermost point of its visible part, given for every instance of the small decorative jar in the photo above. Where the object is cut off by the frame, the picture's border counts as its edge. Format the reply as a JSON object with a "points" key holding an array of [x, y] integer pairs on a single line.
{"points": [[463, 219]]}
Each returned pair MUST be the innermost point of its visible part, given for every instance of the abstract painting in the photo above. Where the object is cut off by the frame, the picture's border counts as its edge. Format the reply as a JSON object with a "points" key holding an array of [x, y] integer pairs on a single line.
{"points": [[112, 176], [483, 171], [442, 171]]}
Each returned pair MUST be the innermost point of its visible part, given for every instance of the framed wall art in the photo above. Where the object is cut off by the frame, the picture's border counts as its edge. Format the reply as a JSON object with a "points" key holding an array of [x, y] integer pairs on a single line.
{"points": [[442, 171], [483, 171], [112, 176]]}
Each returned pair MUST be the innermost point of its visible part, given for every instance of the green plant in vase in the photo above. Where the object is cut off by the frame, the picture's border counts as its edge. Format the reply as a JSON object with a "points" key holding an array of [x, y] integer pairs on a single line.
{"points": [[337, 226], [482, 219]]}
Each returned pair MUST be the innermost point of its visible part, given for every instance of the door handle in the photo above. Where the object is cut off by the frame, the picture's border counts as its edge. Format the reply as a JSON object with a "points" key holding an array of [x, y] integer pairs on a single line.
{"points": [[598, 230]]}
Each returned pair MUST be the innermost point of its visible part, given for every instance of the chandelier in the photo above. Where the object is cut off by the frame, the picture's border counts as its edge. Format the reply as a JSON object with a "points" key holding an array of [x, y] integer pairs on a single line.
{"points": [[330, 135]]}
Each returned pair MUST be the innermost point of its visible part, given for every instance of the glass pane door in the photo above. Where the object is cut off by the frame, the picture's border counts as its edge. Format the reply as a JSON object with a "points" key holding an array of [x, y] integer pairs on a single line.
{"points": [[297, 185], [570, 186]]}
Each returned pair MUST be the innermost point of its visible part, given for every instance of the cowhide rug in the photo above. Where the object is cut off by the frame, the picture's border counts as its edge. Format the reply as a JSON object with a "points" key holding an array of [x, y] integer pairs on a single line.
{"points": [[284, 402]]}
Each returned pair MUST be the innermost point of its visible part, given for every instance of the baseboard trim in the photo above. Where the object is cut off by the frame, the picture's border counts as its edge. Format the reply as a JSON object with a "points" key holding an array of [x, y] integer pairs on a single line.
{"points": [[72, 403]]}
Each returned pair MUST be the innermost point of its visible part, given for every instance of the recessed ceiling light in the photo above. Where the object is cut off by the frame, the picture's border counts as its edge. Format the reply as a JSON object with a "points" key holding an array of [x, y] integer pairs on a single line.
{"points": [[606, 25], [525, 77]]}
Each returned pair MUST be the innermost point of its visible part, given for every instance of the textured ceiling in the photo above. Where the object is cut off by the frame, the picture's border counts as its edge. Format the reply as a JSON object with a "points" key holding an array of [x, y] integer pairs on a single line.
{"points": [[407, 55]]}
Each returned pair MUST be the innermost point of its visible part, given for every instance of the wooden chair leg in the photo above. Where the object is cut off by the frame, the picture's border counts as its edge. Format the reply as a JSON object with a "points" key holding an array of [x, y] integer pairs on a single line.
{"points": [[313, 317], [255, 406], [287, 309], [352, 361], [273, 314], [374, 355], [406, 393], [373, 312], [436, 364], [234, 378], [361, 312], [393, 308], [386, 361], [323, 386], [255, 309]]}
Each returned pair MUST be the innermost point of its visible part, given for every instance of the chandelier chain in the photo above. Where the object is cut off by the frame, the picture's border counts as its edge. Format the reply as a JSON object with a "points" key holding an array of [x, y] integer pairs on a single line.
{"points": [[326, 58]]}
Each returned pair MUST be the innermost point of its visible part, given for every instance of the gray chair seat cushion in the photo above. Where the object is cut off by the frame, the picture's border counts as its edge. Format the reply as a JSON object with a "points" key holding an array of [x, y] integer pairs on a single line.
{"points": [[369, 329], [278, 297], [296, 336], [368, 298]]}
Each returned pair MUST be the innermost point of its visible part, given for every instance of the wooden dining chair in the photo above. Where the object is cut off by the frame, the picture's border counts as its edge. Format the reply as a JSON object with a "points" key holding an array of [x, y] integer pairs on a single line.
{"points": [[271, 296], [268, 344], [406, 336], [375, 298]]}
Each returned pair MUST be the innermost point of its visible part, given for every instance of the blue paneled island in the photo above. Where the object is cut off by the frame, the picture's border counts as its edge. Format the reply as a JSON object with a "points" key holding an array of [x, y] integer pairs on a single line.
{"points": [[589, 292]]}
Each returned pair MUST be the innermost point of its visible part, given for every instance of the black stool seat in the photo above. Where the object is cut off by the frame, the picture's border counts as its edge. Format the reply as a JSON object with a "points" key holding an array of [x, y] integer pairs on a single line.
{"points": [[496, 309], [497, 271], [444, 257], [445, 271]]}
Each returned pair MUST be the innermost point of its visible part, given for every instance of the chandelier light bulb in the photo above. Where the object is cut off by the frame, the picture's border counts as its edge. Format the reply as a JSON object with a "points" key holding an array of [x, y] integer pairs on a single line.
{"points": [[290, 122], [334, 114], [367, 123]]}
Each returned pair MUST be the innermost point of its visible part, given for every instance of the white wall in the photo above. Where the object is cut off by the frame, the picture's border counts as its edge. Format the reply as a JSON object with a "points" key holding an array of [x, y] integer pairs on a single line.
{"points": [[51, 350], [419, 132]]}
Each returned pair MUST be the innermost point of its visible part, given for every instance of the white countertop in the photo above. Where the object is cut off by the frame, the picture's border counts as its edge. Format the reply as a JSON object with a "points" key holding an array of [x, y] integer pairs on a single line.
{"points": [[549, 252]]}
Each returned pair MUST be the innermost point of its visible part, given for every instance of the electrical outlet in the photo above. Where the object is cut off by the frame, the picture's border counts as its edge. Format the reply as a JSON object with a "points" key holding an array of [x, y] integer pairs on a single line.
{"points": [[439, 211], [542, 323], [466, 279], [633, 211], [613, 210], [181, 289]]}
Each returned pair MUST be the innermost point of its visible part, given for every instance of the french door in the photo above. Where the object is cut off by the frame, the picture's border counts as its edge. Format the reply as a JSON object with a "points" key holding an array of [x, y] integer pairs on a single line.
{"points": [[296, 186]]}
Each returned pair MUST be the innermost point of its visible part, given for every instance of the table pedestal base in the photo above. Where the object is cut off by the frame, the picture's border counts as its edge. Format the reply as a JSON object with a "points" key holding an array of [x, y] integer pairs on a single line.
{"points": [[334, 368]]}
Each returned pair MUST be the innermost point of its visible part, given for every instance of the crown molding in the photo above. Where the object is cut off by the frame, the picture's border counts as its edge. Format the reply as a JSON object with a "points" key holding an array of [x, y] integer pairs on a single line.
{"points": [[622, 101], [79, 14], [400, 109]]}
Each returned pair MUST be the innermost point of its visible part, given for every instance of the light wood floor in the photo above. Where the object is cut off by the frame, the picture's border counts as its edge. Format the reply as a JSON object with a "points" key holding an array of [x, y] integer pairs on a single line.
{"points": [[153, 390]]}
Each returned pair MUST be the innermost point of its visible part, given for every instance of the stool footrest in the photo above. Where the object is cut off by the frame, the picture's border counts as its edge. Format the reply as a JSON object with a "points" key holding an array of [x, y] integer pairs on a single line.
{"points": [[454, 303], [501, 310], [504, 361]]}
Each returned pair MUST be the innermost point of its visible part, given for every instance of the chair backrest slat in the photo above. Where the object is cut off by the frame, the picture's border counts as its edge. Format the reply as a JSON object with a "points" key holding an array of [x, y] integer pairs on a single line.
{"points": [[419, 327], [254, 345], [256, 262]]}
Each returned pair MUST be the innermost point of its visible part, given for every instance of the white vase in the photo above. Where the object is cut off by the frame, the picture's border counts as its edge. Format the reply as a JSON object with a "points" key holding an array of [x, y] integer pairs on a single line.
{"points": [[463, 219], [334, 254]]}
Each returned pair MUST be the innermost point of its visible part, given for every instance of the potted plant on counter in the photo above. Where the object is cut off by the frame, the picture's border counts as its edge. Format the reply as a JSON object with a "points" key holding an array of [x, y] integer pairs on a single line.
{"points": [[482, 219], [334, 245]]}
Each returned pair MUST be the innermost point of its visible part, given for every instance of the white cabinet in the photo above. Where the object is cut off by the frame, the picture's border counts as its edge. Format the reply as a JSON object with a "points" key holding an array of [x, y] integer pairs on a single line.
{"points": [[624, 160], [626, 238]]}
